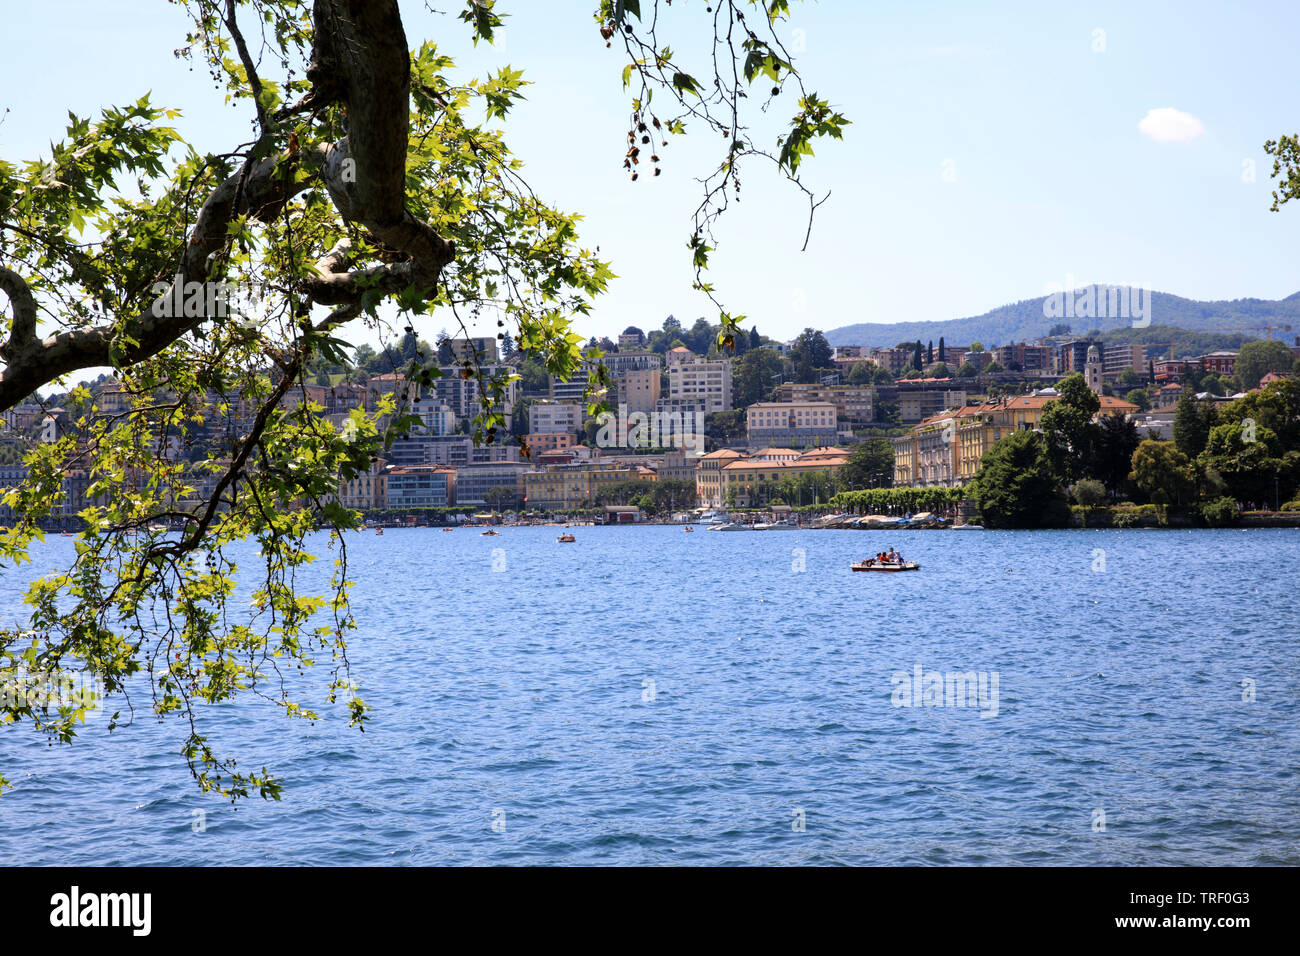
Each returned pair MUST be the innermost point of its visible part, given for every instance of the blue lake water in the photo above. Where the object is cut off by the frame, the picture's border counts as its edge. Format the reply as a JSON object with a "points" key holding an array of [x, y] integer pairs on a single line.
{"points": [[649, 697]]}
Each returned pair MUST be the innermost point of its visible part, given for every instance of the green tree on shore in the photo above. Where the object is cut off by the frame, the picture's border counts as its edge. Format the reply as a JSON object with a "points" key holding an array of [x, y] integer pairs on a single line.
{"points": [[870, 465], [1162, 472], [1017, 487]]}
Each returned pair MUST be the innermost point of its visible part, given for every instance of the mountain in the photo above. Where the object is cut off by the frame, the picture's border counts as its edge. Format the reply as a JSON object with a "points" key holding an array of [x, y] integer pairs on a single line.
{"points": [[1029, 319]]}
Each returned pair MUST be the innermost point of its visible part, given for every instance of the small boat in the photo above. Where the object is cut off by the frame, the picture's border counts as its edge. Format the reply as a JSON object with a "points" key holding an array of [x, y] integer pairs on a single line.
{"points": [[871, 564], [566, 538], [67, 534], [379, 531], [967, 527], [489, 533], [689, 530], [448, 529]]}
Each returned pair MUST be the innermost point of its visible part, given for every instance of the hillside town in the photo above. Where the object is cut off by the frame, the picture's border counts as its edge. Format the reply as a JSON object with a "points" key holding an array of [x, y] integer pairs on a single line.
{"points": [[769, 423]]}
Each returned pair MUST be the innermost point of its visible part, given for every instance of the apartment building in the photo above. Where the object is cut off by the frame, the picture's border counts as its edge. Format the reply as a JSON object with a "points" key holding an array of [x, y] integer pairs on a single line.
{"points": [[367, 490], [854, 403], [917, 404], [639, 388], [480, 350], [555, 417], [421, 486], [1116, 358], [627, 359], [474, 481], [1022, 357], [702, 378], [539, 443]]}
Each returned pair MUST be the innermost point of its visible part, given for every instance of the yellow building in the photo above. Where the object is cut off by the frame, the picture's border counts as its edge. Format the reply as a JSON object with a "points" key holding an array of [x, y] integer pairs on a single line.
{"points": [[366, 490], [743, 475], [947, 449], [577, 484], [708, 476]]}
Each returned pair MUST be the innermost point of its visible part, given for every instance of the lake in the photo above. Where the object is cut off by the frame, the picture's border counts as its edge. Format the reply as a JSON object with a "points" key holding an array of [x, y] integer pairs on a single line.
{"points": [[645, 696]]}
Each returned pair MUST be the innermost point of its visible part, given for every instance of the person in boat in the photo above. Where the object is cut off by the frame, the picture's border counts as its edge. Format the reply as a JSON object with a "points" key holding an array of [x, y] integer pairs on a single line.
{"points": [[891, 557]]}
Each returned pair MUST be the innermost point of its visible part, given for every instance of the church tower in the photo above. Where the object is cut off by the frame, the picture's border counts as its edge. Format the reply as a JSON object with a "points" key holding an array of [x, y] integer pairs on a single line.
{"points": [[1092, 369]]}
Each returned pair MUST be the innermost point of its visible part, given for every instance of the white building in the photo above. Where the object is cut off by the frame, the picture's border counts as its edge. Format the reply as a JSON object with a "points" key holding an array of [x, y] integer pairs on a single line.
{"points": [[555, 418], [702, 378]]}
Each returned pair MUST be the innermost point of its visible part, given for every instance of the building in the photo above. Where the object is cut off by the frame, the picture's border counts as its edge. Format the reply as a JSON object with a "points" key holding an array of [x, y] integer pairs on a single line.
{"points": [[1224, 363], [456, 450], [622, 361], [679, 354], [740, 478], [421, 486], [853, 403], [474, 481], [367, 490], [111, 397], [1116, 358], [702, 378], [947, 449], [708, 475], [464, 396], [676, 465], [1072, 356], [895, 361], [555, 417], [477, 350], [639, 388], [631, 338], [436, 421], [791, 423], [539, 443], [11, 476], [916, 404], [1092, 373], [1170, 371], [577, 484], [1022, 357]]}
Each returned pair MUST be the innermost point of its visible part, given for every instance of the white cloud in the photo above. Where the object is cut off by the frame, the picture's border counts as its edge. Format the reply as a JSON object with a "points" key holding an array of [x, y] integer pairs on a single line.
{"points": [[1168, 125]]}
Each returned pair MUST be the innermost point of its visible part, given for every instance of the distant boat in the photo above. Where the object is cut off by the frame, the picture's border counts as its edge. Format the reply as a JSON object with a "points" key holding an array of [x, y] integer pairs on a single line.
{"points": [[967, 527], [566, 538], [730, 526], [448, 529], [379, 531], [871, 564], [776, 526], [489, 533], [689, 530]]}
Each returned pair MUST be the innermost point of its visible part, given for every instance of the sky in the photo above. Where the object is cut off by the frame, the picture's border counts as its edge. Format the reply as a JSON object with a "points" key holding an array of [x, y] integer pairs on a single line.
{"points": [[997, 150]]}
